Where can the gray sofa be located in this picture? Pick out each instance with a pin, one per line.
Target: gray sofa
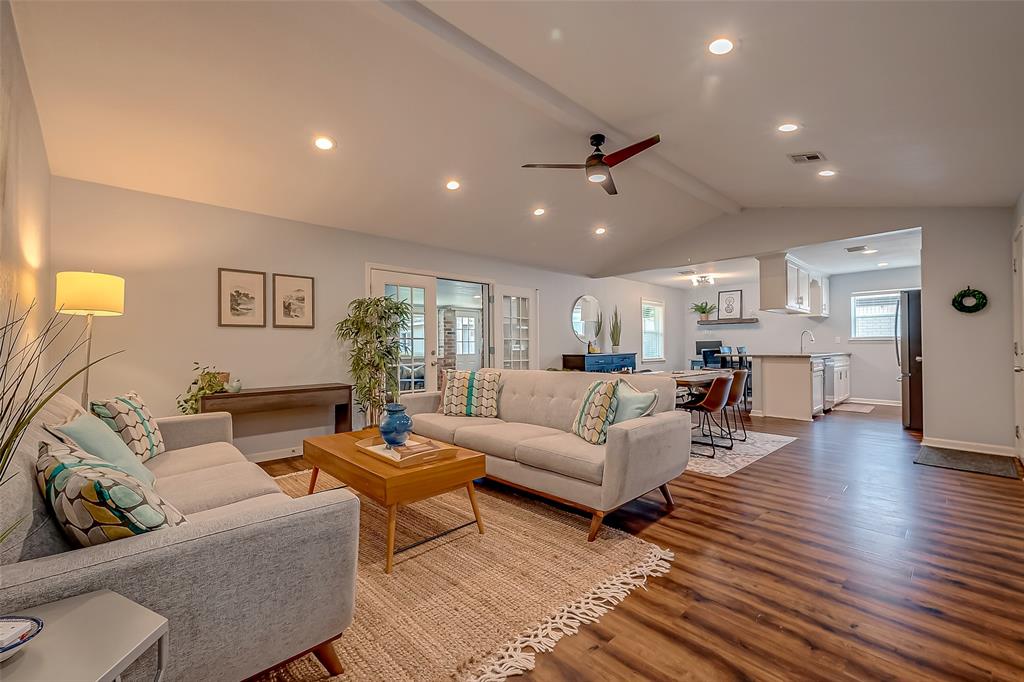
(252, 579)
(530, 445)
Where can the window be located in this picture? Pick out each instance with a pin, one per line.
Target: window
(465, 336)
(652, 314)
(873, 314)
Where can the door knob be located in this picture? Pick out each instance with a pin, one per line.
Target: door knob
(1018, 369)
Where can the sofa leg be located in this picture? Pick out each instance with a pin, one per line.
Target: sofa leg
(667, 494)
(328, 656)
(595, 525)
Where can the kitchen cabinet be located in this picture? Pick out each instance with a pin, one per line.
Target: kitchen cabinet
(785, 284)
(818, 295)
(841, 379)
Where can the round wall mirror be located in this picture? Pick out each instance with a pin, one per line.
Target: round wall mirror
(584, 317)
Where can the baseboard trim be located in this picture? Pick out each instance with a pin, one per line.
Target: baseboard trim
(756, 413)
(269, 455)
(874, 401)
(983, 448)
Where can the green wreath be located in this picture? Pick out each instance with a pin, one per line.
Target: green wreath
(980, 300)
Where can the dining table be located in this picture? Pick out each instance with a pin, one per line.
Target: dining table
(693, 378)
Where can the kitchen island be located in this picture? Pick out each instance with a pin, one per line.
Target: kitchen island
(792, 385)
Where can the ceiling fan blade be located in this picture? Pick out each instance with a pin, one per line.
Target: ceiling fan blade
(609, 185)
(632, 150)
(574, 166)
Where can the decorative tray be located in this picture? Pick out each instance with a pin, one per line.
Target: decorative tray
(417, 450)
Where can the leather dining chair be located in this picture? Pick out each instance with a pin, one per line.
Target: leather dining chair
(736, 396)
(707, 405)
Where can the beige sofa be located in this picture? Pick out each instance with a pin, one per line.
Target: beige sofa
(530, 445)
(253, 578)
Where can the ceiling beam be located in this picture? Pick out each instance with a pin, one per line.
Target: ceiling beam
(557, 104)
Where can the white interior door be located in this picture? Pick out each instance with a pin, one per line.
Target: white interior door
(1018, 337)
(517, 327)
(417, 370)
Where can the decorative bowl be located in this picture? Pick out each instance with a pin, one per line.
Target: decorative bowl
(11, 649)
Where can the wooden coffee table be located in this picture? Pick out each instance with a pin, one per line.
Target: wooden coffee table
(389, 485)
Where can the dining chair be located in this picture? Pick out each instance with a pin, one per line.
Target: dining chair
(706, 406)
(737, 395)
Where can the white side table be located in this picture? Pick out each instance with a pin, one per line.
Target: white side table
(93, 637)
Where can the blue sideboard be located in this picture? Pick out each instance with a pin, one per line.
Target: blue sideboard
(599, 362)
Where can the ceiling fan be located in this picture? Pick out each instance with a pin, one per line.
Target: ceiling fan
(598, 165)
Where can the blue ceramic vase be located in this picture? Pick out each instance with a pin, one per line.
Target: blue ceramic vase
(396, 425)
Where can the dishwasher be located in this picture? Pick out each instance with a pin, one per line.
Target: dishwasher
(829, 369)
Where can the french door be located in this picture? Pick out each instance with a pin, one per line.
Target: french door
(416, 368)
(517, 327)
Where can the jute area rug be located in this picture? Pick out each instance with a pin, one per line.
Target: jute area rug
(470, 606)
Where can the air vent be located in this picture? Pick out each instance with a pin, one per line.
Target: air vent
(687, 273)
(806, 157)
(856, 249)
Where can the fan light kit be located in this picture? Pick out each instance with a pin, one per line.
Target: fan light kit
(703, 280)
(720, 46)
(598, 165)
(323, 143)
(788, 128)
(538, 211)
(453, 185)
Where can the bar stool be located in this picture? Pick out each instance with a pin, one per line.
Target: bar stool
(737, 395)
(707, 405)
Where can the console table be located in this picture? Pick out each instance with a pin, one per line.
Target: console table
(285, 398)
(599, 362)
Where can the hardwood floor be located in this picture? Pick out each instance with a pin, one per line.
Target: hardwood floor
(834, 558)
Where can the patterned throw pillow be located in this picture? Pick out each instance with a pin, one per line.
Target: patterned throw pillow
(471, 393)
(96, 502)
(128, 415)
(597, 412)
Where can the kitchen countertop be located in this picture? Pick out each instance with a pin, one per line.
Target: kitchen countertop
(792, 355)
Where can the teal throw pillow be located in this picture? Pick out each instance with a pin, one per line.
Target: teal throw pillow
(634, 403)
(89, 433)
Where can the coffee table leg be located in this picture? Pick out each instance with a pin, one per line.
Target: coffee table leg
(312, 480)
(392, 519)
(476, 510)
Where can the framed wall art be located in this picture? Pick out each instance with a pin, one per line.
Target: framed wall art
(730, 304)
(294, 301)
(242, 298)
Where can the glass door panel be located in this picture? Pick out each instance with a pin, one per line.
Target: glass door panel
(518, 327)
(416, 368)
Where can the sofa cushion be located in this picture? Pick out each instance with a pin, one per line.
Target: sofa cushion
(565, 454)
(202, 489)
(500, 440)
(249, 506)
(130, 418)
(174, 462)
(443, 427)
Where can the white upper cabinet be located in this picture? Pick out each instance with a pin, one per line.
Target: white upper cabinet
(785, 285)
(818, 295)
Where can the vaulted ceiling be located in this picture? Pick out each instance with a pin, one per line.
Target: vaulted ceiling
(914, 104)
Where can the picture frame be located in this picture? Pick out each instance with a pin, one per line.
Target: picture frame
(241, 298)
(294, 300)
(730, 304)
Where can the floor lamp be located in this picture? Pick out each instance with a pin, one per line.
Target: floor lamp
(91, 294)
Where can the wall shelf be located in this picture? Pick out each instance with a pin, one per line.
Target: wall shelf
(742, 320)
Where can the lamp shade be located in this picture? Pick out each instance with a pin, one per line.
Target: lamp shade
(89, 293)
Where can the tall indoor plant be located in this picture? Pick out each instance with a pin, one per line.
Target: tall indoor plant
(372, 331)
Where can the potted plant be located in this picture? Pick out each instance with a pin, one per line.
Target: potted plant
(704, 309)
(615, 331)
(207, 382)
(372, 331)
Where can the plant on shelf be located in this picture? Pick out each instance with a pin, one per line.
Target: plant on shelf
(207, 382)
(704, 309)
(615, 330)
(373, 332)
(27, 381)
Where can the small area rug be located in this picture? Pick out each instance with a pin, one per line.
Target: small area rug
(727, 462)
(976, 462)
(854, 407)
(470, 606)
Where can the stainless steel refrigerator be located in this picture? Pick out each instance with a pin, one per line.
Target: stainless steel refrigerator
(908, 355)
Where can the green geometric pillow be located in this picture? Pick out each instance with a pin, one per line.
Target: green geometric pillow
(97, 502)
(130, 418)
(597, 412)
(470, 393)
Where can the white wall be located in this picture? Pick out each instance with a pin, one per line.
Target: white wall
(24, 183)
(873, 369)
(169, 250)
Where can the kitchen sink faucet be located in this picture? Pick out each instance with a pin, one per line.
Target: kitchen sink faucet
(809, 333)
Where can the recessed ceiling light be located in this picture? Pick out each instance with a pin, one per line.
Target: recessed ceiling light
(556, 35)
(826, 173)
(323, 142)
(600, 231)
(870, 251)
(538, 211)
(882, 265)
(720, 46)
(453, 185)
(788, 128)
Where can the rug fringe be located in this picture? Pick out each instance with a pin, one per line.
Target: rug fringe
(513, 659)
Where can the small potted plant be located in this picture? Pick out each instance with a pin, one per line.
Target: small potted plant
(208, 381)
(704, 309)
(615, 330)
